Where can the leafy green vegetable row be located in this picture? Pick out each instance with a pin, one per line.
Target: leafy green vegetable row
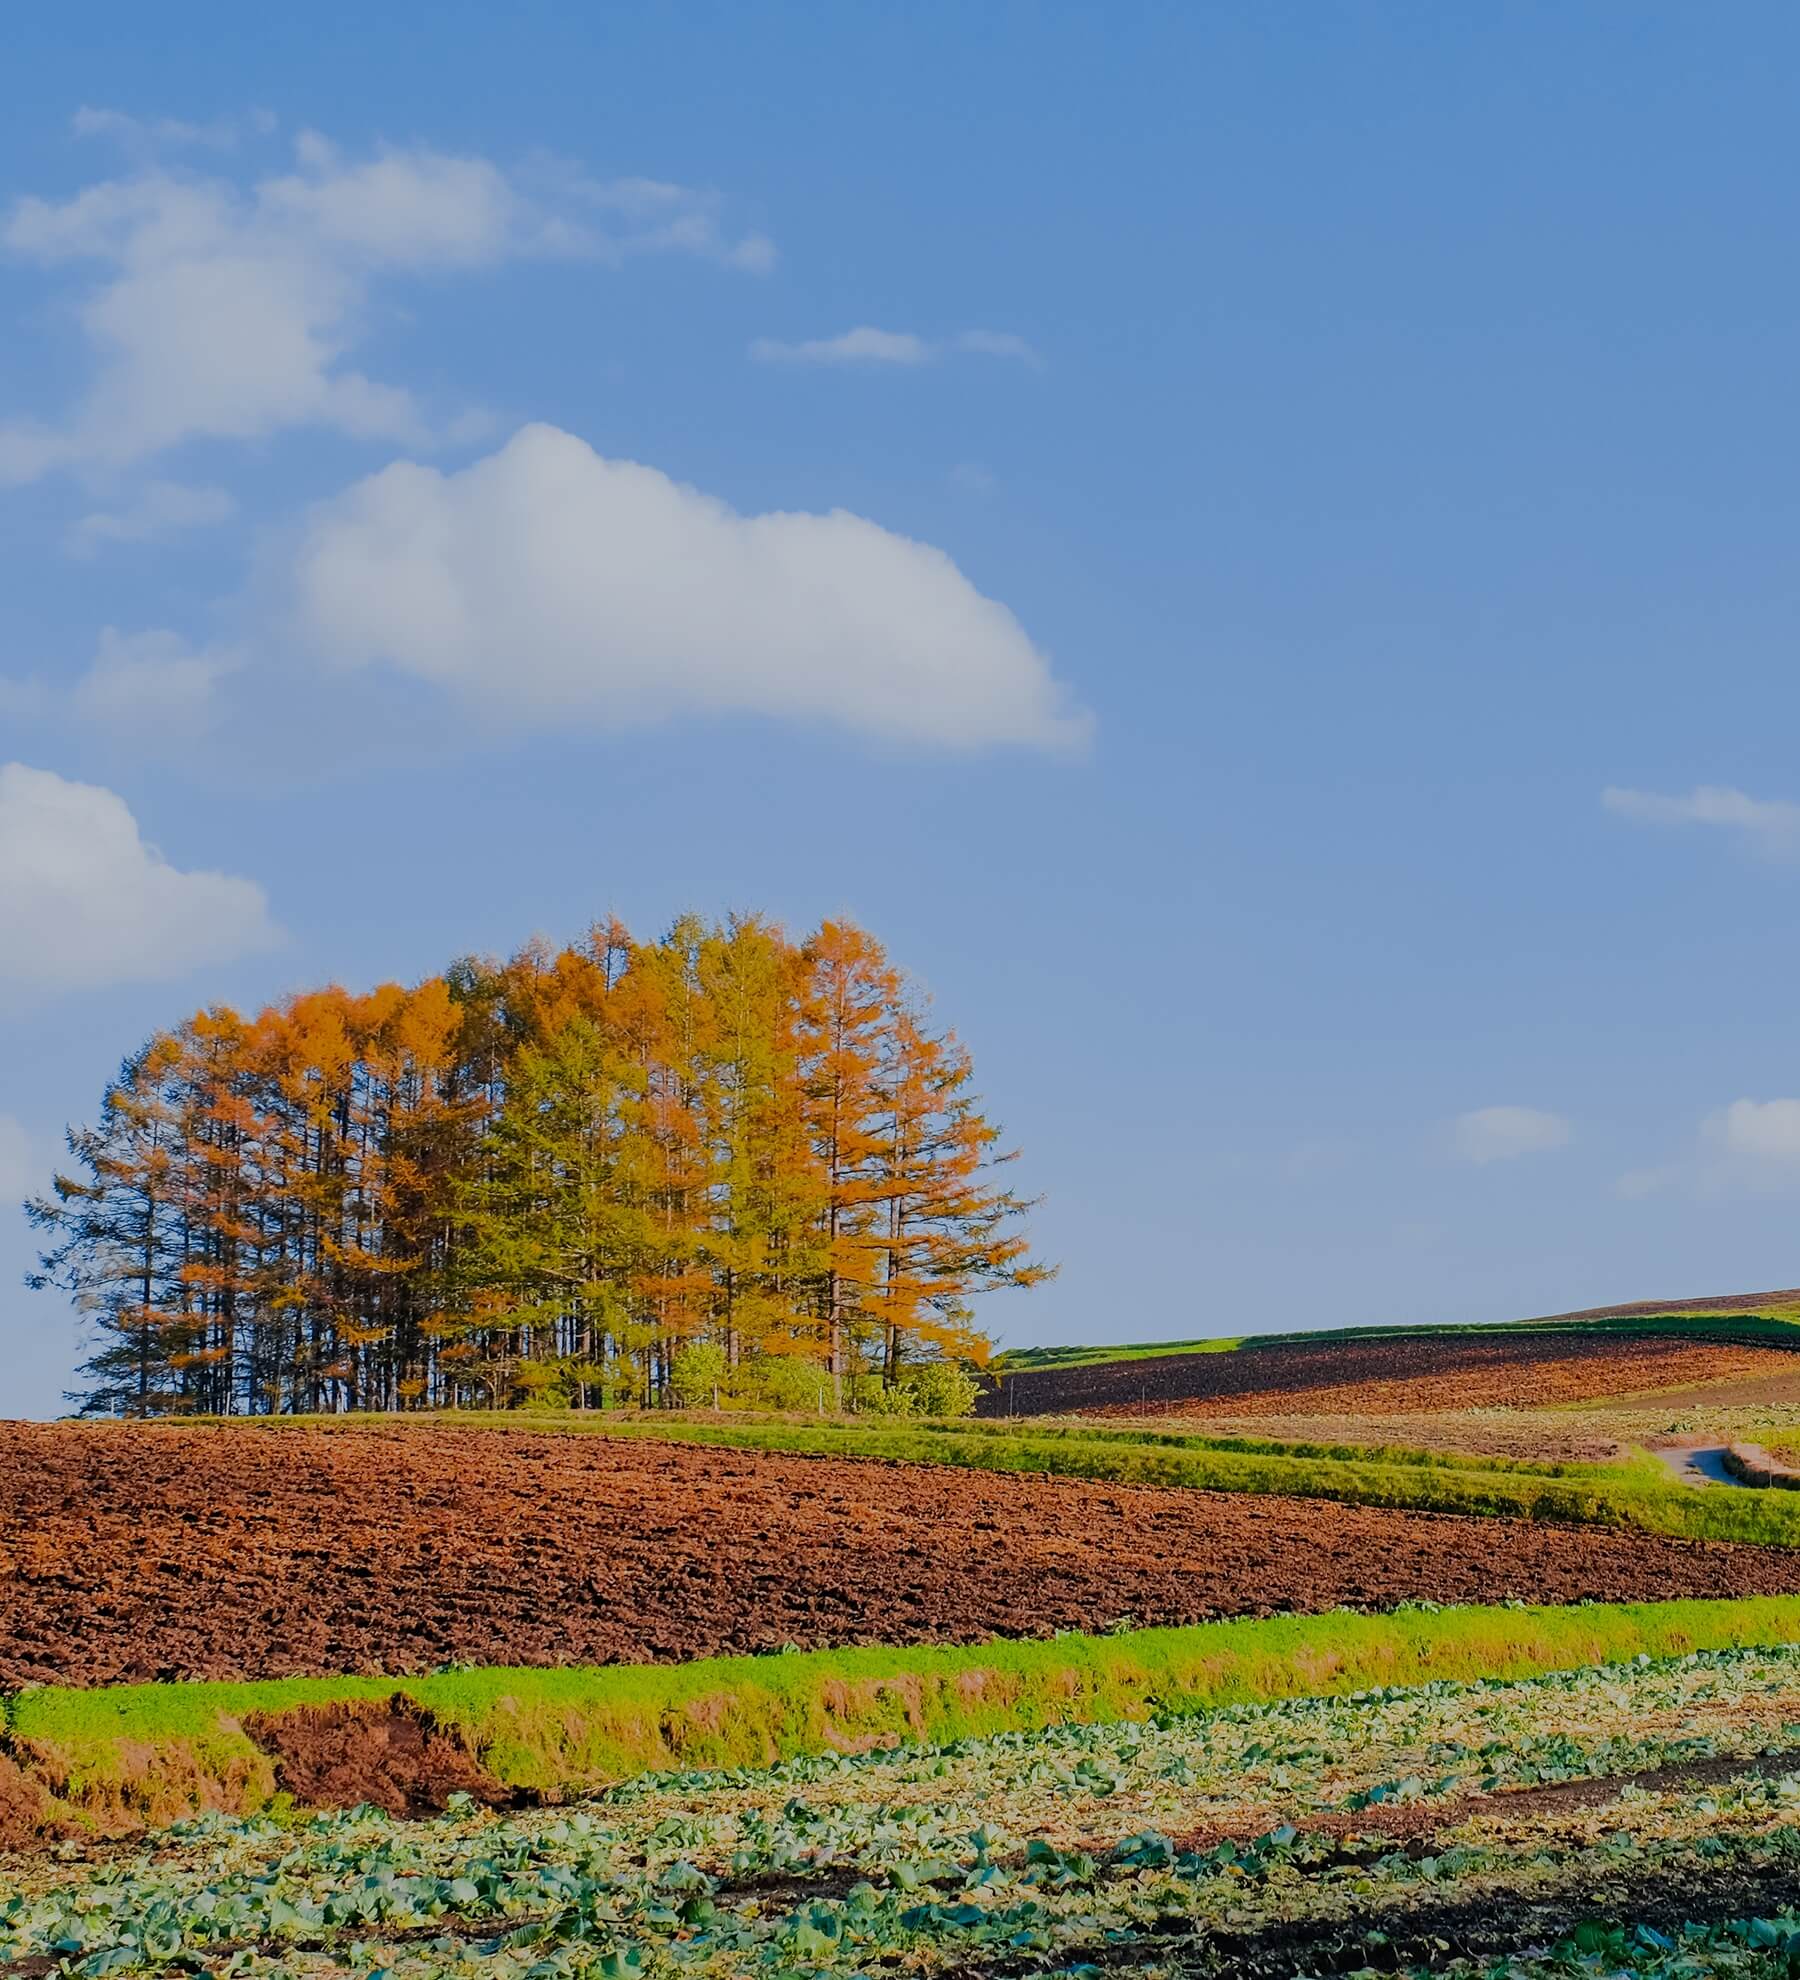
(1035, 1851)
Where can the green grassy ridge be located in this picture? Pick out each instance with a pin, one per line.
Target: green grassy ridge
(124, 1756)
(1779, 1326)
(852, 1436)
(1086, 1431)
(1011, 1361)
(1636, 1495)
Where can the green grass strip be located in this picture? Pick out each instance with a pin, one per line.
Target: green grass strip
(981, 1443)
(154, 1752)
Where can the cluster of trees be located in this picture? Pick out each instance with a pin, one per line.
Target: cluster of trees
(722, 1166)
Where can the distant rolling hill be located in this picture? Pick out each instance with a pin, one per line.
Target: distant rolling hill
(1586, 1357)
(1781, 1308)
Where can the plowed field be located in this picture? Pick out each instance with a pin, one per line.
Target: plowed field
(1394, 1376)
(131, 1552)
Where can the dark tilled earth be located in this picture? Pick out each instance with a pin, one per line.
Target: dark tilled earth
(1400, 1373)
(161, 1552)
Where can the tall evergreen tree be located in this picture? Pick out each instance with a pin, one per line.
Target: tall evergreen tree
(116, 1239)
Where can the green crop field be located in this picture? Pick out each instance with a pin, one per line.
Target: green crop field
(1640, 1815)
(1515, 1790)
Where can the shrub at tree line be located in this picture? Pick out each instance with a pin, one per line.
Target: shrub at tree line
(722, 1168)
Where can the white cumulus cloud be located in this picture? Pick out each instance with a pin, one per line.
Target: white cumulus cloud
(1761, 1130)
(1498, 1134)
(85, 901)
(1772, 825)
(228, 307)
(546, 584)
(867, 345)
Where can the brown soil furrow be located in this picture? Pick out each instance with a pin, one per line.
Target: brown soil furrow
(130, 1553)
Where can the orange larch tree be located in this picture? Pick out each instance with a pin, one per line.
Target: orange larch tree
(614, 1171)
(846, 995)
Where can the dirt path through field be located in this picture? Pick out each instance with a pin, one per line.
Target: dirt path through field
(137, 1552)
(1699, 1464)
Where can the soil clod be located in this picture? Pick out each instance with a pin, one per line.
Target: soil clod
(385, 1751)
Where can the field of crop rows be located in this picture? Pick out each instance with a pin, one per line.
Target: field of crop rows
(1646, 1814)
(1393, 1375)
(131, 1552)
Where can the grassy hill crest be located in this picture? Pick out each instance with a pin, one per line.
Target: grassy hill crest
(1736, 1316)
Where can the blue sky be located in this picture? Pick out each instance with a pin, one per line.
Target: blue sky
(1178, 518)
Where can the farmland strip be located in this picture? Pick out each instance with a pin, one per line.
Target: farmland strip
(130, 1553)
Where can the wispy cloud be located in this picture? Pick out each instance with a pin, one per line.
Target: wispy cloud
(999, 344)
(863, 345)
(150, 686)
(229, 306)
(145, 682)
(1501, 1134)
(648, 216)
(161, 509)
(1771, 825)
(1747, 1147)
(148, 133)
(1761, 1130)
(866, 345)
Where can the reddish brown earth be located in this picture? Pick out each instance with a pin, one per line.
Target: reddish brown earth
(22, 1805)
(1397, 1375)
(136, 1552)
(387, 1751)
